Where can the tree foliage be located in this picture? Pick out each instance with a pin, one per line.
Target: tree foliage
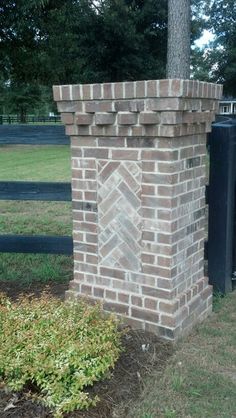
(71, 41)
(218, 62)
(223, 21)
(45, 42)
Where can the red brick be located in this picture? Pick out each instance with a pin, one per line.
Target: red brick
(67, 118)
(170, 308)
(150, 304)
(65, 93)
(77, 92)
(125, 155)
(149, 118)
(104, 118)
(129, 90)
(110, 294)
(97, 91)
(98, 292)
(86, 290)
(83, 118)
(156, 293)
(107, 91)
(116, 307)
(110, 272)
(119, 90)
(176, 87)
(91, 259)
(57, 93)
(140, 89)
(145, 315)
(168, 321)
(137, 301)
(127, 118)
(152, 88)
(164, 88)
(86, 91)
(123, 297)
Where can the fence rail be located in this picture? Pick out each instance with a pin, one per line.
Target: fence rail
(29, 190)
(33, 135)
(40, 244)
(12, 119)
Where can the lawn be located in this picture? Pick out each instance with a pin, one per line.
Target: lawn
(200, 379)
(42, 163)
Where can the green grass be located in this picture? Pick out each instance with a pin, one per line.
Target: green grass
(42, 163)
(200, 379)
(32, 163)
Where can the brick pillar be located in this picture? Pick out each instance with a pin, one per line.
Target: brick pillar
(138, 184)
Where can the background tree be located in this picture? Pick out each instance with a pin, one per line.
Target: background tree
(46, 42)
(217, 61)
(178, 58)
(222, 21)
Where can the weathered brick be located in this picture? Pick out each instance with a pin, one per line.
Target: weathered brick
(83, 119)
(129, 90)
(150, 304)
(152, 88)
(145, 315)
(107, 91)
(123, 297)
(110, 294)
(119, 90)
(86, 290)
(137, 301)
(171, 118)
(164, 88)
(57, 93)
(170, 308)
(116, 307)
(66, 93)
(86, 92)
(140, 89)
(126, 118)
(104, 118)
(97, 91)
(149, 118)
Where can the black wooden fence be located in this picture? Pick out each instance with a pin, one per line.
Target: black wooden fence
(221, 248)
(41, 191)
(9, 119)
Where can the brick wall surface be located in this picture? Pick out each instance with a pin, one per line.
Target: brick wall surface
(138, 187)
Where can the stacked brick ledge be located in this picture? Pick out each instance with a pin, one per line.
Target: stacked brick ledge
(138, 189)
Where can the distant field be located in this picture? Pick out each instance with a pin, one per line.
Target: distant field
(42, 163)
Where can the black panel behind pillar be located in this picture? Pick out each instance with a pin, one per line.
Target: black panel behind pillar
(221, 206)
(234, 237)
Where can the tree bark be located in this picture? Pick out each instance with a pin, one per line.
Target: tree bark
(178, 55)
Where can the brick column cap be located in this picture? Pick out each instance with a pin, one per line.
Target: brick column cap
(169, 88)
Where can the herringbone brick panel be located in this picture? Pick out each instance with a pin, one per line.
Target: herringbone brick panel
(119, 205)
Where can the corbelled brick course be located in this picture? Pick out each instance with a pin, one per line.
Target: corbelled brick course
(138, 188)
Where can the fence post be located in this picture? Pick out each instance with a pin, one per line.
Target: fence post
(221, 206)
(138, 190)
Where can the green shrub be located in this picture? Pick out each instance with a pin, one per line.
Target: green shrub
(62, 348)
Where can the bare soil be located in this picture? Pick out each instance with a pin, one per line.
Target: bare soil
(142, 353)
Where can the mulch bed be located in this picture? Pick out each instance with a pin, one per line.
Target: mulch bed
(142, 353)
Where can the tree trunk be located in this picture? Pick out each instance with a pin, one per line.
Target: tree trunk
(178, 55)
